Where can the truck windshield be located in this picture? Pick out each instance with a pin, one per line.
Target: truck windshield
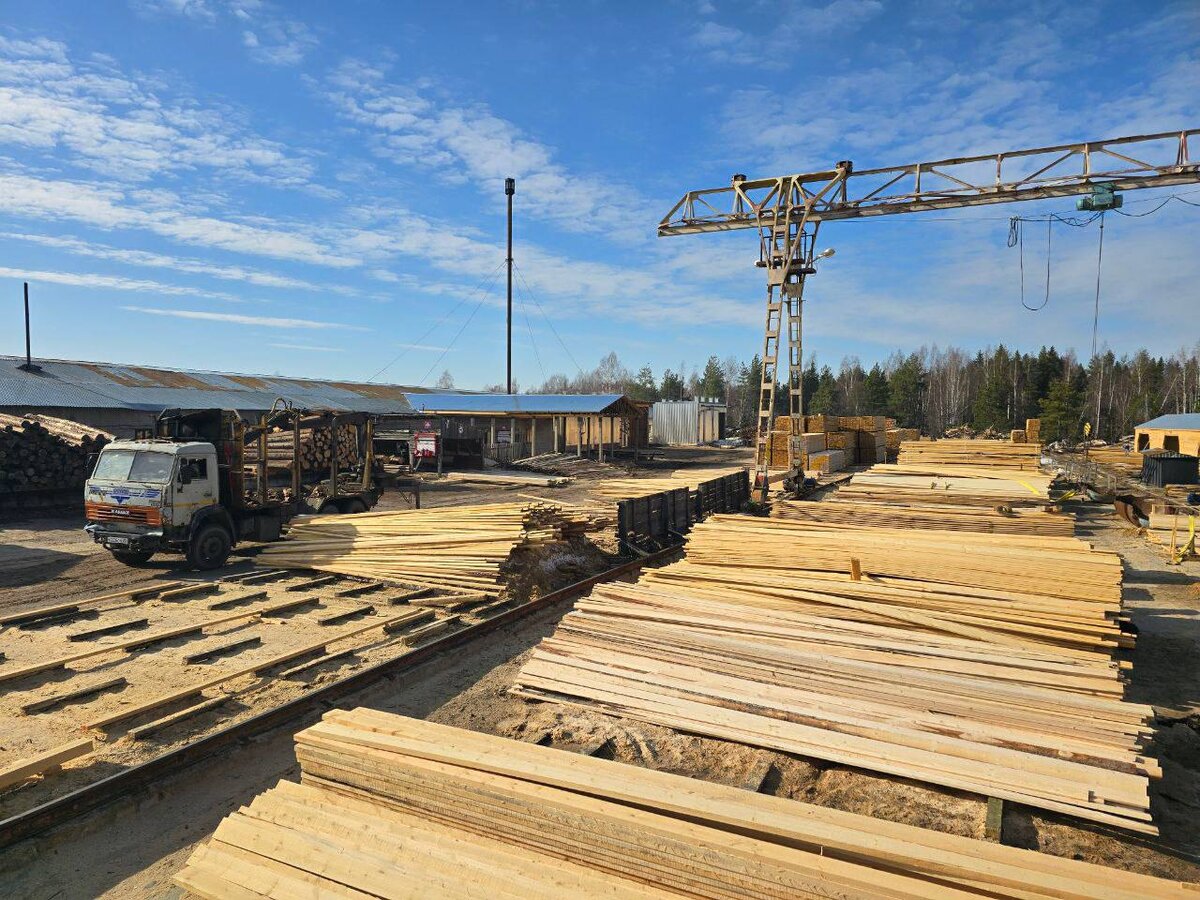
(134, 465)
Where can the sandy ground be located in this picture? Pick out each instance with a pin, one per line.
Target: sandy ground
(131, 849)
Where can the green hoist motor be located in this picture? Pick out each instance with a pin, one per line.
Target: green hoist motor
(1102, 198)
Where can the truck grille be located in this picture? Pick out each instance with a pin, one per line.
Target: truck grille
(134, 515)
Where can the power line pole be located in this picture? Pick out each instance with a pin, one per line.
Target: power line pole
(510, 188)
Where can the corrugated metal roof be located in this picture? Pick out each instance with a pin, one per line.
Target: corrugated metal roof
(520, 404)
(1177, 421)
(65, 383)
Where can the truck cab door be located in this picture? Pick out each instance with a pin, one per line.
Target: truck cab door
(195, 485)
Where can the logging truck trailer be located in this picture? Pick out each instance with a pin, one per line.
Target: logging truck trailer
(187, 486)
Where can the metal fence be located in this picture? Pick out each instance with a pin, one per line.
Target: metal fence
(664, 518)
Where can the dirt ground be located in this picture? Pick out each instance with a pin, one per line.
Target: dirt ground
(132, 849)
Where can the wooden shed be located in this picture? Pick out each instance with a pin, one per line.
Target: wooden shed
(1179, 432)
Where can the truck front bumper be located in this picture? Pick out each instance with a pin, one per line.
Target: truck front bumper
(112, 539)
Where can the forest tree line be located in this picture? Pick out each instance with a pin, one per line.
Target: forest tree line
(935, 389)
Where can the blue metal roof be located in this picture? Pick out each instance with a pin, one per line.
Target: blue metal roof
(520, 404)
(63, 383)
(1176, 421)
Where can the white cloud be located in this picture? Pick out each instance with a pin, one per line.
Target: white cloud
(279, 42)
(307, 348)
(261, 321)
(200, 10)
(795, 26)
(112, 282)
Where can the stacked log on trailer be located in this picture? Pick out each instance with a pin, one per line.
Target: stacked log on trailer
(316, 449)
(43, 452)
(976, 661)
(389, 806)
(462, 547)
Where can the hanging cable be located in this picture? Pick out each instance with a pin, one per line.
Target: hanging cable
(457, 335)
(467, 296)
(532, 342)
(1096, 313)
(566, 349)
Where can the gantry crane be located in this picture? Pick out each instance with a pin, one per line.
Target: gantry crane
(788, 210)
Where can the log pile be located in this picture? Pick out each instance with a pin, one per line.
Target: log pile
(979, 662)
(623, 488)
(568, 464)
(460, 547)
(389, 806)
(316, 449)
(841, 512)
(43, 452)
(971, 453)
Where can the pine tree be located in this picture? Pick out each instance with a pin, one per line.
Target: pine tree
(875, 392)
(644, 387)
(671, 387)
(1062, 411)
(906, 389)
(991, 404)
(712, 382)
(824, 398)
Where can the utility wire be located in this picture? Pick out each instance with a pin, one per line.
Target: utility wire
(442, 321)
(554, 330)
(458, 333)
(532, 340)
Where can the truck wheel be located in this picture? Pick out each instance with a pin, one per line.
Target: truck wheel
(354, 507)
(209, 548)
(328, 508)
(132, 557)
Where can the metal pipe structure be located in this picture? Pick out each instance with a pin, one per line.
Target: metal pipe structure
(788, 210)
(510, 188)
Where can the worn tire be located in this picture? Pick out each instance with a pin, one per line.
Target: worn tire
(132, 557)
(328, 508)
(209, 547)
(353, 507)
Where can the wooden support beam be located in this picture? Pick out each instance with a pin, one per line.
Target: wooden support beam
(191, 590)
(44, 762)
(993, 828)
(108, 629)
(44, 611)
(238, 600)
(312, 583)
(69, 696)
(345, 615)
(141, 732)
(222, 650)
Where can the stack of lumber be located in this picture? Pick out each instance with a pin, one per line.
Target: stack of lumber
(831, 443)
(38, 452)
(1033, 431)
(894, 437)
(842, 512)
(1175, 531)
(390, 806)
(581, 517)
(624, 488)
(1017, 435)
(517, 479)
(984, 454)
(971, 485)
(567, 464)
(316, 448)
(462, 547)
(979, 662)
(1126, 461)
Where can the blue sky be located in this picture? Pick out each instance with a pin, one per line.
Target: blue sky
(316, 189)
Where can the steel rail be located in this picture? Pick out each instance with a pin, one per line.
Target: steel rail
(124, 784)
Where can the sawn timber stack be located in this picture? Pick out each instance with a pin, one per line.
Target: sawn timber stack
(980, 662)
(390, 806)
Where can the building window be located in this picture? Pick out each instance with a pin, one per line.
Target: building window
(1171, 442)
(1143, 442)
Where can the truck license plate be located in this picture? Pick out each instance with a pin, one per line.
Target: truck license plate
(118, 542)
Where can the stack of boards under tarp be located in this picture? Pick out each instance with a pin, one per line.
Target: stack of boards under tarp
(843, 512)
(979, 662)
(972, 453)
(396, 807)
(460, 547)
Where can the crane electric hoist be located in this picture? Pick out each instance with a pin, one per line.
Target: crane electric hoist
(787, 212)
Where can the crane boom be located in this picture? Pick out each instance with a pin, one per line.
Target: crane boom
(1127, 163)
(788, 210)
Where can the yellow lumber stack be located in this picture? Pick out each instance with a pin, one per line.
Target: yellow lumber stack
(623, 488)
(896, 436)
(971, 453)
(842, 512)
(971, 485)
(979, 662)
(455, 547)
(1116, 457)
(390, 806)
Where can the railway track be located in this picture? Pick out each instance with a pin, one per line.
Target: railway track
(138, 778)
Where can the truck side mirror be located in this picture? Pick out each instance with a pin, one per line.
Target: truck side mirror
(91, 463)
(186, 473)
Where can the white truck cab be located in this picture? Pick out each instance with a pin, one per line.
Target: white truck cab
(144, 495)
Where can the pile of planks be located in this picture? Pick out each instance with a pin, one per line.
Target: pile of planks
(971, 453)
(38, 452)
(515, 479)
(463, 547)
(1033, 431)
(1176, 532)
(842, 512)
(829, 444)
(623, 488)
(971, 485)
(389, 806)
(979, 662)
(1126, 461)
(568, 464)
(316, 448)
